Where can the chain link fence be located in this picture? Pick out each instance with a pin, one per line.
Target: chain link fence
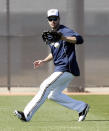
(21, 25)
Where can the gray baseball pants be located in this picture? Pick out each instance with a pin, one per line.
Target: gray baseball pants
(52, 88)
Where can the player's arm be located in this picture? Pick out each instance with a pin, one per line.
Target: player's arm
(38, 63)
(73, 39)
(48, 58)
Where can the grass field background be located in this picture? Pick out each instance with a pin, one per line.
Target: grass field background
(53, 117)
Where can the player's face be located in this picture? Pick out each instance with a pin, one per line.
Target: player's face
(54, 22)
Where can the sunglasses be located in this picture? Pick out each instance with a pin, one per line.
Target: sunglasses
(52, 18)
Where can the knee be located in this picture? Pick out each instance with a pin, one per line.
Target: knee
(50, 96)
(53, 96)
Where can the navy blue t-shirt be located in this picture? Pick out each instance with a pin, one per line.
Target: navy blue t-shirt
(64, 55)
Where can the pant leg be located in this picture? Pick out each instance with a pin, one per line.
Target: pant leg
(45, 88)
(57, 95)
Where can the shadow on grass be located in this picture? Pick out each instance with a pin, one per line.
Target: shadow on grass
(97, 120)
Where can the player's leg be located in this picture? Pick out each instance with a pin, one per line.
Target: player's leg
(57, 95)
(42, 95)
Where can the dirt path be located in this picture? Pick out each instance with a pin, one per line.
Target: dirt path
(33, 91)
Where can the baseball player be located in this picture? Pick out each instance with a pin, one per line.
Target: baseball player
(61, 41)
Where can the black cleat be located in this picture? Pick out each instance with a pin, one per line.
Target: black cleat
(82, 115)
(20, 115)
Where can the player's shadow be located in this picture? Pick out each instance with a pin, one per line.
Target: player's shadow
(97, 120)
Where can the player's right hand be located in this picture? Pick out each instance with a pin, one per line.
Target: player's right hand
(37, 63)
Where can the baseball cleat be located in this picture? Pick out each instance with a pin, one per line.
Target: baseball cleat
(82, 115)
(20, 115)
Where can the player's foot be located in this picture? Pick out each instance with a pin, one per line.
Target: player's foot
(82, 115)
(20, 115)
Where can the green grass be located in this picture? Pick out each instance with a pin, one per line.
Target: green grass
(53, 117)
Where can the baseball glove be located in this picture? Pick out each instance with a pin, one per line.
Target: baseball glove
(51, 36)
